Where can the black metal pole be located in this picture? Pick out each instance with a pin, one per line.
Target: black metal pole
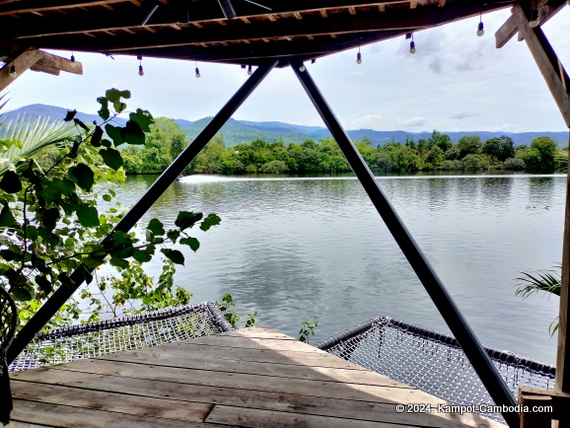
(63, 293)
(485, 369)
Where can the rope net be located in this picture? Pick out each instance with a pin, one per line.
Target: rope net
(432, 362)
(121, 334)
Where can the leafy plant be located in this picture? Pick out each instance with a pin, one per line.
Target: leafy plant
(545, 280)
(50, 224)
(228, 310)
(307, 330)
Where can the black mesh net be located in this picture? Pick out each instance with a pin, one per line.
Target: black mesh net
(121, 334)
(432, 362)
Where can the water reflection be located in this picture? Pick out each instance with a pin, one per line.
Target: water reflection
(315, 249)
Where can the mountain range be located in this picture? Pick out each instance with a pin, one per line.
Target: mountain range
(244, 131)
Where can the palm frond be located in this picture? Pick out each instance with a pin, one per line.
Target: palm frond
(24, 137)
(546, 280)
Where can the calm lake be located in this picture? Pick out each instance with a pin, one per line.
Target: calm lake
(315, 249)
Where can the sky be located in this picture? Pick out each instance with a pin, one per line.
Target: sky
(455, 81)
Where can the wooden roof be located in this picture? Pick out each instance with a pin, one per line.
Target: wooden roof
(206, 30)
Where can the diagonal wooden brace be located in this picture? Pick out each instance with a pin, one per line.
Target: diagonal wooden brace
(550, 66)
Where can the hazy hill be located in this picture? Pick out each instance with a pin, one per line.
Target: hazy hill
(239, 131)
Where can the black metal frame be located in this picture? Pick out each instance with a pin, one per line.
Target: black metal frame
(433, 285)
(483, 366)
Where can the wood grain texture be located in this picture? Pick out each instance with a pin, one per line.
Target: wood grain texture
(252, 378)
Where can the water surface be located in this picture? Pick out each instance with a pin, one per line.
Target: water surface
(315, 249)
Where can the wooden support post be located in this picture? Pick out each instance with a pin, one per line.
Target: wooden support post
(22, 63)
(542, 407)
(563, 353)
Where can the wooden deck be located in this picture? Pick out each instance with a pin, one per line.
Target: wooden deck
(255, 377)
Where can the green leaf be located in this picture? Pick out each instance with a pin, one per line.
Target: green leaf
(132, 133)
(104, 111)
(174, 255)
(50, 217)
(114, 132)
(8, 255)
(187, 219)
(112, 158)
(96, 137)
(117, 261)
(193, 243)
(107, 197)
(83, 176)
(88, 216)
(44, 283)
(156, 227)
(143, 118)
(10, 182)
(70, 115)
(142, 256)
(81, 124)
(211, 220)
(6, 217)
(173, 235)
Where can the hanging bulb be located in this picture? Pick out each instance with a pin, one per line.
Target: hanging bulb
(358, 58)
(73, 64)
(314, 60)
(141, 72)
(302, 68)
(480, 30)
(249, 70)
(533, 23)
(13, 73)
(412, 47)
(197, 73)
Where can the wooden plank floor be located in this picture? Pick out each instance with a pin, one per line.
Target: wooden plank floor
(253, 377)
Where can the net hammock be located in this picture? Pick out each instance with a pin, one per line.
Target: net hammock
(432, 362)
(121, 334)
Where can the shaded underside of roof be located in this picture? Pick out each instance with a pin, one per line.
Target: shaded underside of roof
(205, 30)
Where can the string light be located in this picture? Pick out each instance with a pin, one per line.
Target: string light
(358, 57)
(314, 59)
(141, 71)
(13, 73)
(480, 30)
(412, 45)
(73, 64)
(302, 68)
(197, 71)
(249, 70)
(533, 23)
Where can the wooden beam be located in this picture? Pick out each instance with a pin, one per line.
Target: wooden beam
(360, 24)
(22, 63)
(550, 66)
(547, 9)
(44, 69)
(56, 62)
(557, 402)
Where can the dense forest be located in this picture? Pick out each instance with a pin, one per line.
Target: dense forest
(437, 153)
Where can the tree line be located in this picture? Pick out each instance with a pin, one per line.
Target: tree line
(437, 153)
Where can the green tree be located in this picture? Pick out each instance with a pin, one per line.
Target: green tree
(469, 145)
(546, 149)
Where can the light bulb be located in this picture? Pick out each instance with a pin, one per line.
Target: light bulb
(13, 73)
(249, 70)
(141, 72)
(412, 47)
(480, 30)
(302, 68)
(358, 58)
(533, 23)
(197, 73)
(73, 63)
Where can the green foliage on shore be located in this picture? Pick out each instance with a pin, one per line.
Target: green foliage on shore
(437, 153)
